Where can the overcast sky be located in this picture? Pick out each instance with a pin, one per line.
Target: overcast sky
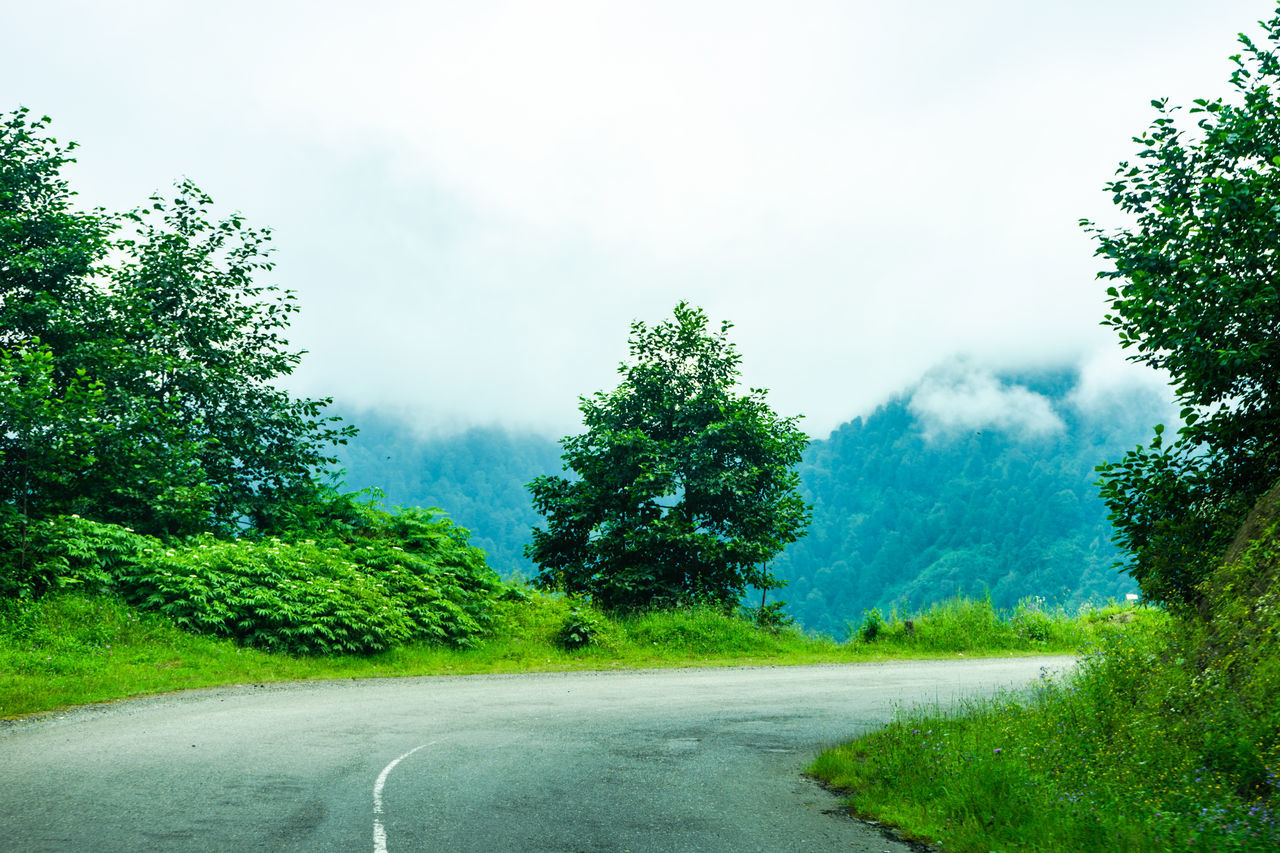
(475, 199)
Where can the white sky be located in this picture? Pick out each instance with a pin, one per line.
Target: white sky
(473, 200)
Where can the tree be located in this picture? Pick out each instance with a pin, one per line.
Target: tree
(1195, 294)
(209, 341)
(140, 358)
(684, 488)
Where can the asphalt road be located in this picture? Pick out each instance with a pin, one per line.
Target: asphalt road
(667, 760)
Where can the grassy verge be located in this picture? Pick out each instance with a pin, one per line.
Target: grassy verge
(75, 649)
(1130, 752)
(1166, 737)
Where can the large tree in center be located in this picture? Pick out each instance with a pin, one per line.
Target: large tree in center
(684, 486)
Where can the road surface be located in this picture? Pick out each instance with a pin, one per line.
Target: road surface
(663, 760)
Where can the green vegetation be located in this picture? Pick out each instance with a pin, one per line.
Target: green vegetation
(683, 486)
(1167, 737)
(1195, 294)
(478, 475)
(907, 512)
(147, 451)
(75, 647)
(139, 361)
(391, 579)
(901, 514)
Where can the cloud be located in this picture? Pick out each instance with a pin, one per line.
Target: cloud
(970, 399)
(473, 201)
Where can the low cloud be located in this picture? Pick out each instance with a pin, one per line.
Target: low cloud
(972, 399)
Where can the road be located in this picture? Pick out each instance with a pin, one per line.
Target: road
(663, 760)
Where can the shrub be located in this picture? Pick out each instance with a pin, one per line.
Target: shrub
(41, 555)
(306, 598)
(872, 625)
(1030, 622)
(581, 627)
(770, 616)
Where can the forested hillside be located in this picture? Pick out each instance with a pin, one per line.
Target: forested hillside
(965, 485)
(912, 506)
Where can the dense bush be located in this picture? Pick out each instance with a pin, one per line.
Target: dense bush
(410, 576)
(581, 627)
(377, 580)
(38, 556)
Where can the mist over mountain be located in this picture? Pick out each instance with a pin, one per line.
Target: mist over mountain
(971, 482)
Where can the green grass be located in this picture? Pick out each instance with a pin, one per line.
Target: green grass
(1134, 751)
(74, 649)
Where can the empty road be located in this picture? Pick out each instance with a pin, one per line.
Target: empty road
(663, 760)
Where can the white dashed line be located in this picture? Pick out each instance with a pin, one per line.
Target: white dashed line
(380, 831)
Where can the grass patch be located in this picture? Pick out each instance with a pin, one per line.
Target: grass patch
(1130, 752)
(74, 648)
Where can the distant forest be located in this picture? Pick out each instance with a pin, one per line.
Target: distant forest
(905, 513)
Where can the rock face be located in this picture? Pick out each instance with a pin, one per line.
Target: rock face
(1262, 518)
(1240, 604)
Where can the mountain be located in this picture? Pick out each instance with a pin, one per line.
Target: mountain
(928, 498)
(971, 483)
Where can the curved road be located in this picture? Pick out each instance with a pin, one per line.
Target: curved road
(664, 760)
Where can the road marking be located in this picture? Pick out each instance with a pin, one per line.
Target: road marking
(380, 831)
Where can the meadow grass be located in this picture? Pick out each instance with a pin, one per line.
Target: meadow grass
(73, 649)
(1125, 753)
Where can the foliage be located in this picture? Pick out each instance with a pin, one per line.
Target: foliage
(872, 623)
(388, 579)
(900, 517)
(211, 338)
(72, 647)
(406, 577)
(684, 488)
(138, 360)
(905, 515)
(1126, 753)
(581, 627)
(62, 552)
(1195, 294)
(771, 616)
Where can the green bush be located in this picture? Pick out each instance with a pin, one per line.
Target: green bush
(374, 581)
(1031, 622)
(308, 598)
(872, 625)
(41, 555)
(581, 627)
(771, 616)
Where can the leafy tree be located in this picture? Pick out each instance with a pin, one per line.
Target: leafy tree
(210, 341)
(1195, 294)
(48, 250)
(684, 488)
(139, 357)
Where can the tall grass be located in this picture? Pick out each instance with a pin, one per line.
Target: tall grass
(1126, 753)
(71, 649)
